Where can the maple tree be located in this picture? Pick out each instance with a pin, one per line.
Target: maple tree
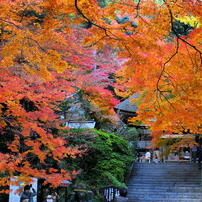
(42, 61)
(42, 57)
(162, 43)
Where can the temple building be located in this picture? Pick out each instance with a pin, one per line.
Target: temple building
(128, 109)
(183, 152)
(75, 115)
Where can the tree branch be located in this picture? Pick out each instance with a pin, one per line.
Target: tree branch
(11, 23)
(137, 8)
(164, 65)
(177, 35)
(90, 21)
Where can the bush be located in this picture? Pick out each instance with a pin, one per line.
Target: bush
(106, 161)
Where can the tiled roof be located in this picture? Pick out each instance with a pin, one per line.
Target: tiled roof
(128, 104)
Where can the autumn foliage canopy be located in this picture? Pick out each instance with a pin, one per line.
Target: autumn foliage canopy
(49, 48)
(162, 43)
(43, 61)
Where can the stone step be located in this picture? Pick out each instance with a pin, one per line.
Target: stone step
(169, 184)
(166, 163)
(163, 197)
(166, 195)
(163, 170)
(149, 169)
(180, 173)
(164, 200)
(174, 185)
(195, 170)
(167, 167)
(170, 200)
(165, 182)
(169, 177)
(146, 173)
(156, 188)
(173, 180)
(168, 190)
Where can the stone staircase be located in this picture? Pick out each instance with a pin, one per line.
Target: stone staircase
(165, 182)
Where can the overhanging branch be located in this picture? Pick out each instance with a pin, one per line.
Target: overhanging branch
(177, 35)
